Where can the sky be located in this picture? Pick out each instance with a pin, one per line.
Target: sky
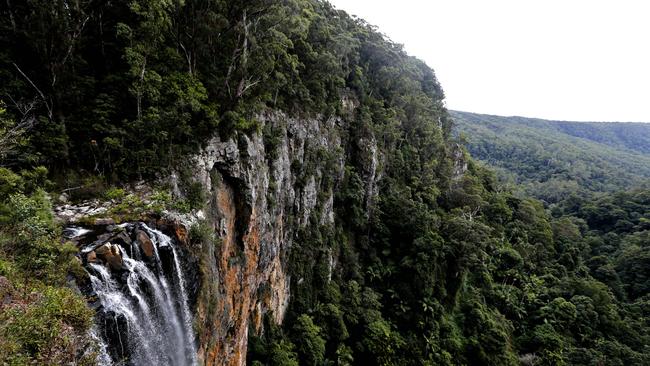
(580, 60)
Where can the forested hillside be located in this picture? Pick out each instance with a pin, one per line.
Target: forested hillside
(553, 160)
(312, 160)
(621, 135)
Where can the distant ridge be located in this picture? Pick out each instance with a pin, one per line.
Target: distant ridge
(553, 159)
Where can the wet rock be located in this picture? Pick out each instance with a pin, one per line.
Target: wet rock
(116, 333)
(121, 238)
(91, 257)
(112, 255)
(103, 238)
(124, 277)
(146, 245)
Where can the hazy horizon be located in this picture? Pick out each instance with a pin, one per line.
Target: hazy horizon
(543, 119)
(557, 60)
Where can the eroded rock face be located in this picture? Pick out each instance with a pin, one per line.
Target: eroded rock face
(460, 162)
(181, 233)
(259, 195)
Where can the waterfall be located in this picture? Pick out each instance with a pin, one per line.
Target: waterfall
(71, 232)
(102, 357)
(144, 312)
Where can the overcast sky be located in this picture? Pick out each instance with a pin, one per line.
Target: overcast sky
(584, 60)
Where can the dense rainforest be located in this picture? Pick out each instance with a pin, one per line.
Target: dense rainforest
(553, 160)
(441, 264)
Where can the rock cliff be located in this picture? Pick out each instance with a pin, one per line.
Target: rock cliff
(262, 187)
(259, 190)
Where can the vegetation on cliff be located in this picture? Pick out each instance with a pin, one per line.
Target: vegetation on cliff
(426, 263)
(42, 321)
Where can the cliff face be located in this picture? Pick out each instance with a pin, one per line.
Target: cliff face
(262, 188)
(262, 192)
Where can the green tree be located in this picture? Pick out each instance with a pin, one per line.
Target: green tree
(310, 346)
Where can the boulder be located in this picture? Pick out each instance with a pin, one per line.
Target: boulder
(104, 221)
(146, 245)
(91, 257)
(112, 255)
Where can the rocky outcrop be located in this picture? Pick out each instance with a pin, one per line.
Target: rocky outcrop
(460, 160)
(70, 213)
(111, 254)
(261, 191)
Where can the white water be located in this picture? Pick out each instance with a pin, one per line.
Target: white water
(164, 240)
(72, 232)
(102, 358)
(154, 305)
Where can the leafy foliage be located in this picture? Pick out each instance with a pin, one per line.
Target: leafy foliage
(41, 320)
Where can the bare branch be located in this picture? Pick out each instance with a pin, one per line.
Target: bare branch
(45, 101)
(75, 35)
(11, 16)
(12, 134)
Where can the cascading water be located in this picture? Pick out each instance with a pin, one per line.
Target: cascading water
(144, 316)
(102, 357)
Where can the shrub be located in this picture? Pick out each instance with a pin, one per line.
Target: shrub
(45, 328)
(114, 193)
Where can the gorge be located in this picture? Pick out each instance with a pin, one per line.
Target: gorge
(229, 182)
